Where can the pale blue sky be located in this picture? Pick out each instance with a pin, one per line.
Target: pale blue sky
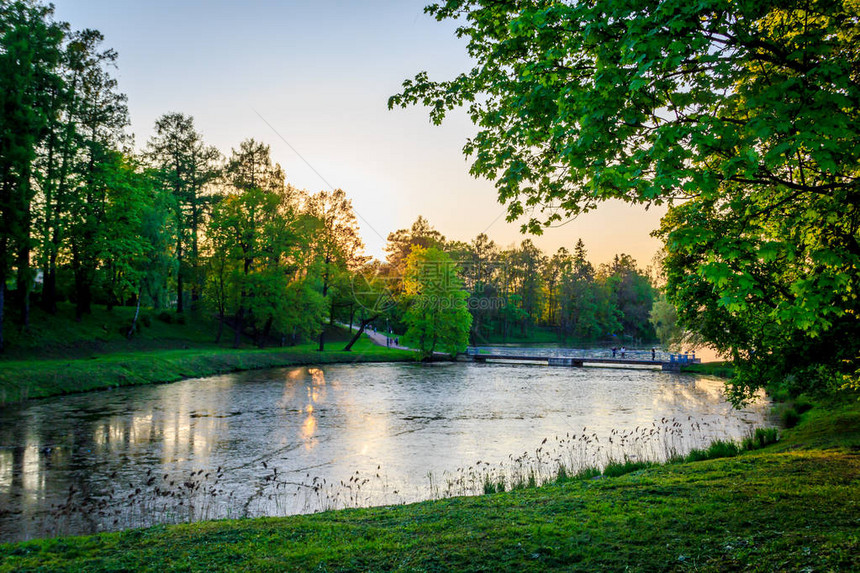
(320, 72)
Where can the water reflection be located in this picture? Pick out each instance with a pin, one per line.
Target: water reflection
(253, 434)
(316, 394)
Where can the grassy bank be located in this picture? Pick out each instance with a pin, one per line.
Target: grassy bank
(717, 369)
(790, 506)
(59, 355)
(27, 379)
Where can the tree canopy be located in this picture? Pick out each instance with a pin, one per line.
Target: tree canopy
(437, 316)
(742, 115)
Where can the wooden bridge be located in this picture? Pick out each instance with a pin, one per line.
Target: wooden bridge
(571, 357)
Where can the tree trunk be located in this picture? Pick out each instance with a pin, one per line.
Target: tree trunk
(358, 334)
(48, 188)
(220, 326)
(240, 319)
(324, 293)
(267, 328)
(111, 300)
(179, 293)
(24, 279)
(2, 304)
(83, 294)
(195, 270)
(49, 285)
(24, 285)
(136, 314)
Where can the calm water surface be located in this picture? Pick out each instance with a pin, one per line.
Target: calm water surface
(302, 439)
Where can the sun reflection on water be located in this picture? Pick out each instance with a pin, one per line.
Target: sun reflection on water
(400, 422)
(316, 394)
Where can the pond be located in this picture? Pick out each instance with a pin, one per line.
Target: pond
(297, 440)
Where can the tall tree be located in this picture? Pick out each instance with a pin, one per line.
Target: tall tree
(401, 242)
(665, 320)
(54, 174)
(185, 165)
(556, 268)
(29, 53)
(336, 244)
(523, 276)
(261, 251)
(482, 275)
(632, 295)
(437, 317)
(102, 116)
(588, 311)
(121, 242)
(748, 111)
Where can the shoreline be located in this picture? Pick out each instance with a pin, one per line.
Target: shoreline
(36, 379)
(59, 377)
(674, 516)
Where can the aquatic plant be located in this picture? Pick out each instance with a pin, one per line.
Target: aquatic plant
(201, 494)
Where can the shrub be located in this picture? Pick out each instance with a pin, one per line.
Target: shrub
(588, 473)
(760, 438)
(802, 404)
(722, 449)
(489, 486)
(165, 317)
(789, 417)
(615, 469)
(695, 455)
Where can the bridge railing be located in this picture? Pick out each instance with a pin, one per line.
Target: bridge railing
(585, 353)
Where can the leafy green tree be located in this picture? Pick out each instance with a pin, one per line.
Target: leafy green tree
(102, 116)
(632, 295)
(336, 246)
(523, 278)
(121, 242)
(588, 311)
(158, 228)
(246, 234)
(482, 275)
(437, 317)
(512, 312)
(84, 102)
(665, 320)
(399, 246)
(29, 52)
(554, 270)
(251, 167)
(263, 270)
(401, 242)
(371, 297)
(748, 111)
(185, 166)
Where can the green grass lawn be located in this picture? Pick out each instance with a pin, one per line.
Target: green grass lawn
(61, 336)
(26, 379)
(58, 355)
(793, 506)
(718, 369)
